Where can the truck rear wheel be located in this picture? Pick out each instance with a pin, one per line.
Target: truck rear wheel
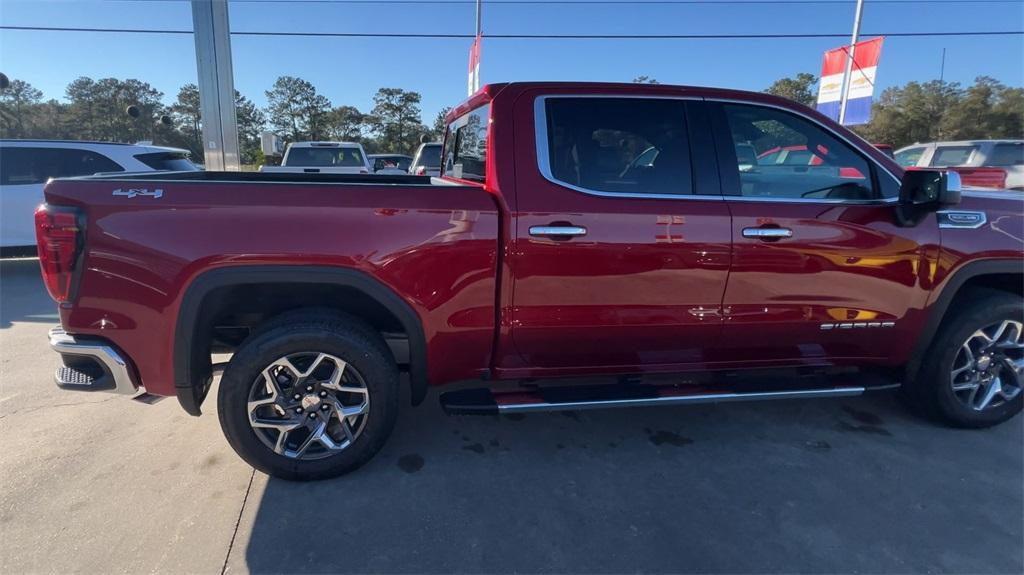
(310, 396)
(974, 372)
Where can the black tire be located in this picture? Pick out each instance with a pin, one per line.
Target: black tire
(339, 335)
(932, 393)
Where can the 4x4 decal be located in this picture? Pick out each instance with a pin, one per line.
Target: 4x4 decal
(132, 192)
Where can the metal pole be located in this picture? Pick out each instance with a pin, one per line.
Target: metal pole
(847, 75)
(216, 84)
(942, 68)
(478, 14)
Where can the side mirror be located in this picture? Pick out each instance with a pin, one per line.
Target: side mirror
(930, 188)
(924, 191)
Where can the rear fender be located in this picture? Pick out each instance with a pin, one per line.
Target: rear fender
(193, 372)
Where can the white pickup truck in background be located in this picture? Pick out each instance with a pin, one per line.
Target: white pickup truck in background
(322, 158)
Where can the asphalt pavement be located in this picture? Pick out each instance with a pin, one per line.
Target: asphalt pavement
(98, 483)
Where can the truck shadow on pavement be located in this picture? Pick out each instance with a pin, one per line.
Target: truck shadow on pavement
(822, 486)
(23, 297)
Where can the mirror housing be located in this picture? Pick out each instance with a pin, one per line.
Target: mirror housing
(934, 188)
(924, 191)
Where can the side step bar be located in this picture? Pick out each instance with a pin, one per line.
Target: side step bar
(484, 401)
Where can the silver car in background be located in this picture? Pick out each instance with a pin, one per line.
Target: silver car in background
(981, 163)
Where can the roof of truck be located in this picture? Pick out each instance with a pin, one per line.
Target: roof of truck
(326, 145)
(489, 91)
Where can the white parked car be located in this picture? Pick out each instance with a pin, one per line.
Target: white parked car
(427, 161)
(26, 165)
(322, 158)
(981, 163)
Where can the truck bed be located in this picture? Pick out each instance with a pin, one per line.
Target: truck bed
(433, 244)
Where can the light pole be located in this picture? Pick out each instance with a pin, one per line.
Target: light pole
(216, 84)
(847, 75)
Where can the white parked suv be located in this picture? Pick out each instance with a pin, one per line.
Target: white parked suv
(26, 165)
(427, 161)
(322, 158)
(982, 163)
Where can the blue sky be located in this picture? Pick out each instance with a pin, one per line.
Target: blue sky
(349, 71)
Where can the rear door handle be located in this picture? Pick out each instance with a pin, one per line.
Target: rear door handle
(767, 233)
(562, 232)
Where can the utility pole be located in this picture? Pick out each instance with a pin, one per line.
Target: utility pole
(478, 14)
(942, 67)
(473, 83)
(848, 74)
(216, 84)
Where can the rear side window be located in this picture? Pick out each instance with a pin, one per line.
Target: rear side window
(21, 166)
(465, 155)
(325, 157)
(167, 161)
(909, 157)
(1007, 155)
(952, 155)
(616, 145)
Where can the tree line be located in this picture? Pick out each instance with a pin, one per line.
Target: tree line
(295, 111)
(98, 110)
(928, 111)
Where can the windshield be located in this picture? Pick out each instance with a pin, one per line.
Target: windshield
(325, 157)
(169, 161)
(391, 162)
(429, 156)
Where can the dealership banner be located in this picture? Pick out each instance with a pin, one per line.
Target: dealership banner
(474, 67)
(862, 81)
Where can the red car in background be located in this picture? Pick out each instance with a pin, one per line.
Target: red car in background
(801, 156)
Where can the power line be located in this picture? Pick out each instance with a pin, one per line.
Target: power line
(523, 36)
(597, 2)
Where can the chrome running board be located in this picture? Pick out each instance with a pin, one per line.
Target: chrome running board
(486, 401)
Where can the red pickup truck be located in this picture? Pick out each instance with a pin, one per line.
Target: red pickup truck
(587, 245)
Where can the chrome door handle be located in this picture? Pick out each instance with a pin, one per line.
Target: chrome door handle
(558, 232)
(767, 233)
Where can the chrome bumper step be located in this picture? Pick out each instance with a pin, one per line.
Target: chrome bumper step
(90, 365)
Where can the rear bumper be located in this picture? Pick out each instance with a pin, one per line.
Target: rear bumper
(91, 364)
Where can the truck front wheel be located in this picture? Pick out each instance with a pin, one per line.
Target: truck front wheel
(974, 371)
(309, 396)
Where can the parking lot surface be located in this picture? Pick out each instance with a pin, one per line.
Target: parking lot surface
(101, 483)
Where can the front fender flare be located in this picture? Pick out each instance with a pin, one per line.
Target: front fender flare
(940, 304)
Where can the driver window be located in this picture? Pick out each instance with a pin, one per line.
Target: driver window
(780, 155)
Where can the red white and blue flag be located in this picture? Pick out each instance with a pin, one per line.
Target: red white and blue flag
(862, 81)
(473, 81)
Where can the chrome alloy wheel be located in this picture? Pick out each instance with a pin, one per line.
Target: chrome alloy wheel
(308, 405)
(989, 368)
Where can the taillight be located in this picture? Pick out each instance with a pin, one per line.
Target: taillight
(59, 238)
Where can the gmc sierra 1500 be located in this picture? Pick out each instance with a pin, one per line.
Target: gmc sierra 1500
(627, 233)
